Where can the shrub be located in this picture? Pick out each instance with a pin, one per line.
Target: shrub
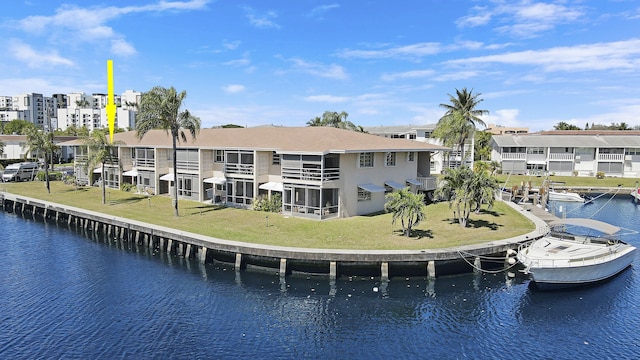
(53, 176)
(600, 175)
(127, 187)
(264, 203)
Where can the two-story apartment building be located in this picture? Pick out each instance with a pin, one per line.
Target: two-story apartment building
(320, 172)
(440, 160)
(15, 147)
(569, 152)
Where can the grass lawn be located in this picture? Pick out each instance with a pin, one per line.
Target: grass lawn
(374, 232)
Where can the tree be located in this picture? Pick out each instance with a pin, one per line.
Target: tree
(466, 190)
(482, 146)
(82, 103)
(336, 120)
(1, 148)
(460, 120)
(40, 143)
(100, 152)
(18, 127)
(160, 108)
(566, 126)
(406, 206)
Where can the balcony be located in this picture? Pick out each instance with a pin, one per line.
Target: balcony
(561, 156)
(242, 169)
(514, 156)
(150, 163)
(610, 157)
(310, 174)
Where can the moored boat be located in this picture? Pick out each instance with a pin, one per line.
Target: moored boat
(562, 258)
(565, 196)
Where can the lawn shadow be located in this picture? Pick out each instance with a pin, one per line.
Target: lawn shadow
(203, 209)
(72, 189)
(489, 212)
(128, 200)
(478, 223)
(415, 234)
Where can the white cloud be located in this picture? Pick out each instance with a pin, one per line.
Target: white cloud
(331, 71)
(36, 59)
(319, 11)
(618, 55)
(414, 74)
(74, 24)
(122, 48)
(503, 117)
(407, 51)
(233, 88)
(524, 18)
(264, 21)
(327, 99)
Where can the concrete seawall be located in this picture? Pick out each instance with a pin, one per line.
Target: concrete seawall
(333, 262)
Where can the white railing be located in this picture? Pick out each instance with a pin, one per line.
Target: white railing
(561, 156)
(514, 156)
(245, 169)
(611, 157)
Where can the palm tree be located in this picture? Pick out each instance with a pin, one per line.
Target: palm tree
(461, 119)
(335, 119)
(100, 152)
(1, 148)
(160, 109)
(40, 143)
(467, 190)
(406, 206)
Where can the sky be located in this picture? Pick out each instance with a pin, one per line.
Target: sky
(385, 63)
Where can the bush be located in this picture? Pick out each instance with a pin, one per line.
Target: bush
(263, 203)
(127, 187)
(53, 176)
(600, 175)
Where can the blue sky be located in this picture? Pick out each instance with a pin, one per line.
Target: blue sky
(259, 62)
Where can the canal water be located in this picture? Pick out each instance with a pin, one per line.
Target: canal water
(68, 296)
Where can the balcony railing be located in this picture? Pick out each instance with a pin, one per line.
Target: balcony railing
(561, 156)
(310, 174)
(514, 156)
(611, 157)
(144, 163)
(243, 169)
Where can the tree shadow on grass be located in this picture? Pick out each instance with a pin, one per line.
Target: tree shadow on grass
(479, 223)
(415, 234)
(128, 200)
(203, 209)
(489, 212)
(72, 190)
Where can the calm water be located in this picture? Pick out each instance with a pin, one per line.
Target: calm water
(63, 295)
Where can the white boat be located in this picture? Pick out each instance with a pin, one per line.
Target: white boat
(635, 194)
(562, 259)
(564, 196)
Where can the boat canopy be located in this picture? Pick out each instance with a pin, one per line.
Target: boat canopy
(588, 223)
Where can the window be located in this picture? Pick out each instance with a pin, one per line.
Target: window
(363, 195)
(535, 150)
(219, 156)
(410, 156)
(366, 160)
(390, 159)
(412, 136)
(275, 159)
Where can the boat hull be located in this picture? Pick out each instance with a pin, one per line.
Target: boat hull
(569, 276)
(562, 196)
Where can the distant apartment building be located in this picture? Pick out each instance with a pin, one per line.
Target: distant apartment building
(61, 111)
(569, 152)
(505, 130)
(440, 160)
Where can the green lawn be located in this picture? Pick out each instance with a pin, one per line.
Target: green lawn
(373, 232)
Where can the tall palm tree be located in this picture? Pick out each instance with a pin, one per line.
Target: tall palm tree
(100, 152)
(1, 148)
(461, 119)
(160, 108)
(40, 143)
